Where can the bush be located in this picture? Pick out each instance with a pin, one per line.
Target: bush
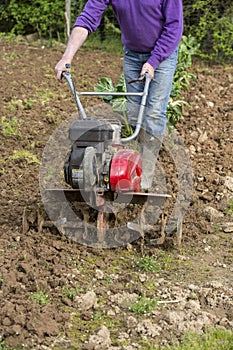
(211, 23)
(42, 16)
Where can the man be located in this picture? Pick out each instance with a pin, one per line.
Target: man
(151, 31)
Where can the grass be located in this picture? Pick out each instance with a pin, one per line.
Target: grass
(229, 209)
(213, 339)
(81, 328)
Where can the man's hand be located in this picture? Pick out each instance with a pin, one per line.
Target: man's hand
(147, 68)
(62, 66)
(77, 38)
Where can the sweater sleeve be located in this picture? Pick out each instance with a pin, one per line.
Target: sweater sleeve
(90, 17)
(171, 33)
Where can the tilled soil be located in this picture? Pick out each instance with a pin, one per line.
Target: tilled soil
(55, 293)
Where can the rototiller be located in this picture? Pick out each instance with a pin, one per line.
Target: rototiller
(101, 170)
(98, 161)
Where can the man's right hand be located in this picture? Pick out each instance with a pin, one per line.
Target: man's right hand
(77, 38)
(62, 66)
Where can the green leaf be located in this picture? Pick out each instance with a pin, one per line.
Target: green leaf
(105, 85)
(121, 86)
(119, 104)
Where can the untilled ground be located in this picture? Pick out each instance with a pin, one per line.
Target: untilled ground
(57, 294)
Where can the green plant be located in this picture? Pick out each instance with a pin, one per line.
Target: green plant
(98, 315)
(211, 22)
(214, 339)
(9, 56)
(143, 305)
(42, 16)
(24, 103)
(28, 103)
(10, 126)
(229, 209)
(148, 263)
(3, 346)
(105, 84)
(166, 261)
(40, 298)
(8, 37)
(24, 154)
(70, 292)
(118, 103)
(187, 49)
(217, 228)
(44, 96)
(112, 43)
(108, 279)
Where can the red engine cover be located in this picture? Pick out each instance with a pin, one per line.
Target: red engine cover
(126, 171)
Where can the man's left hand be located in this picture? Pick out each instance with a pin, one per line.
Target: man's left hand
(147, 68)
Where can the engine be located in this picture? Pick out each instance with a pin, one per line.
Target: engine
(98, 161)
(90, 139)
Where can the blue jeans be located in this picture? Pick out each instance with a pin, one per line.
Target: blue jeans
(159, 91)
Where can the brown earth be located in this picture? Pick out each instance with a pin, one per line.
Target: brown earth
(58, 294)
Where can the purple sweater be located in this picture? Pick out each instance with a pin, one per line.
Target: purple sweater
(153, 26)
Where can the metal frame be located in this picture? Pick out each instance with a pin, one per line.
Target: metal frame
(143, 94)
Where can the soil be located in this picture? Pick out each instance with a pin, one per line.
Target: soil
(59, 294)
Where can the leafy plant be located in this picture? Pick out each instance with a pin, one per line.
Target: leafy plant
(10, 126)
(167, 262)
(211, 22)
(143, 305)
(40, 298)
(175, 111)
(118, 103)
(187, 49)
(148, 263)
(8, 37)
(105, 84)
(42, 16)
(98, 315)
(70, 292)
(24, 154)
(44, 96)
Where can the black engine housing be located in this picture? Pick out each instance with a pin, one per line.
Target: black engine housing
(82, 134)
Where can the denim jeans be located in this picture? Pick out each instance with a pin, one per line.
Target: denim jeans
(155, 120)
